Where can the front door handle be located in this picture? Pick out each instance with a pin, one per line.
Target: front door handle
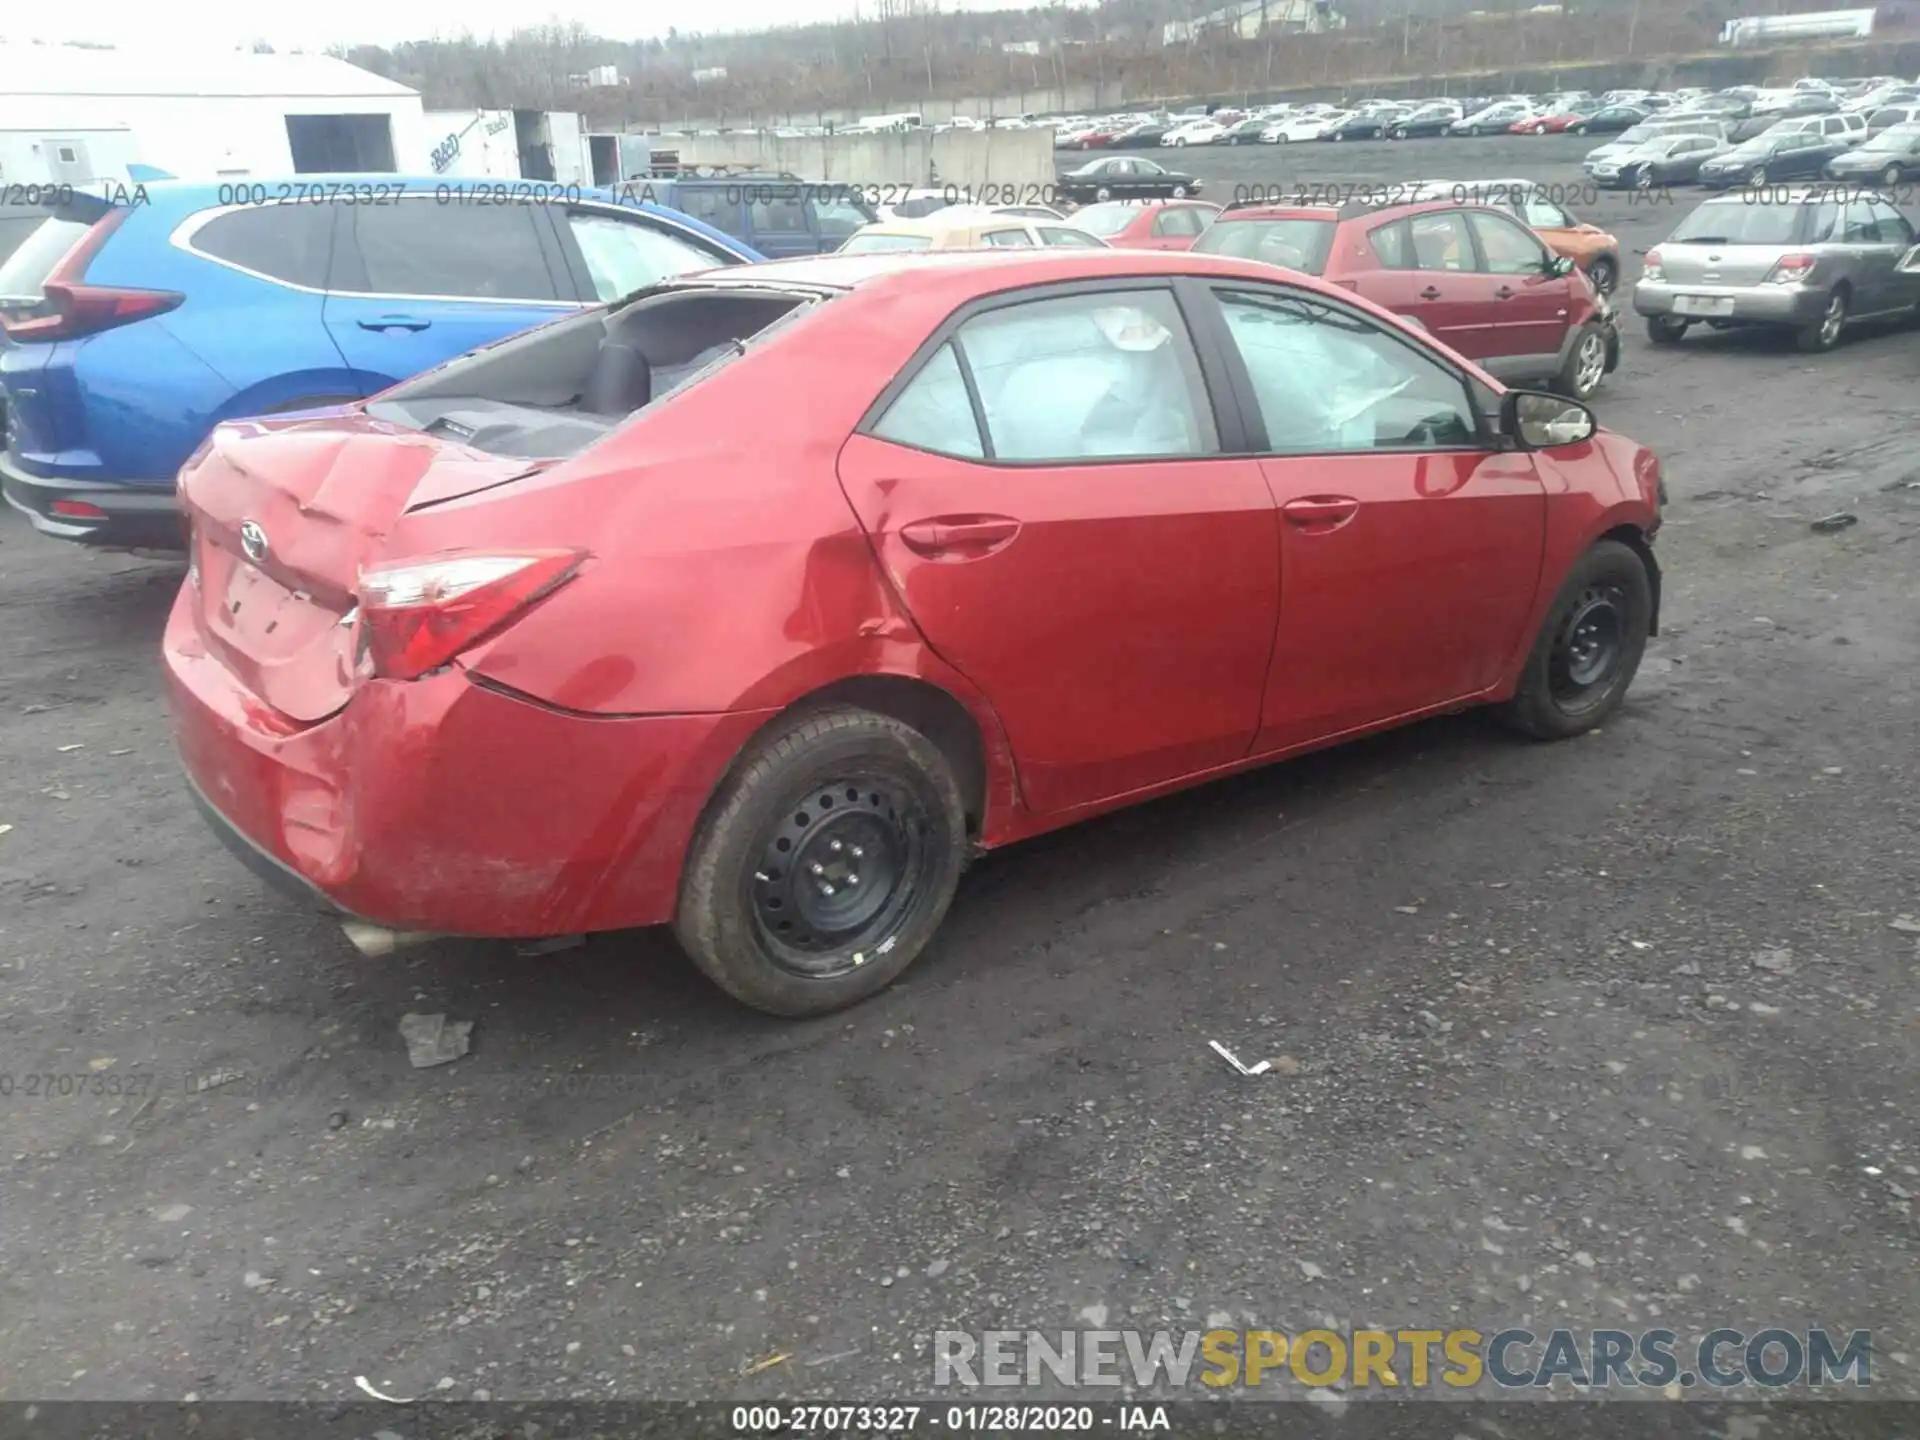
(1321, 510)
(1430, 293)
(395, 322)
(959, 536)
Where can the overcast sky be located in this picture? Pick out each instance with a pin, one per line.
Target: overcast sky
(383, 22)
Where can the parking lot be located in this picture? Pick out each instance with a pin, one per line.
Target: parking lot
(1616, 1032)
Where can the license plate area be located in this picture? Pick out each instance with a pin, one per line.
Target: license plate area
(1702, 305)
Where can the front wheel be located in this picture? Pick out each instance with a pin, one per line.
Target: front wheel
(1103, 194)
(824, 864)
(1589, 646)
(1579, 129)
(1585, 366)
(1604, 273)
(1179, 192)
(1890, 177)
(1757, 176)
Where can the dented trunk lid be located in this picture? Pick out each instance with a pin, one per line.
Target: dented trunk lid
(284, 515)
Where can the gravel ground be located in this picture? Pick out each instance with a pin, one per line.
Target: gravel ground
(1617, 1032)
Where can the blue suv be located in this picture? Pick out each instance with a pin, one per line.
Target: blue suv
(137, 319)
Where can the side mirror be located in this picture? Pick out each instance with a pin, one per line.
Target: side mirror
(1559, 266)
(1535, 420)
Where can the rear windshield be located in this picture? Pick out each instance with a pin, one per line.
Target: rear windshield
(1739, 222)
(24, 271)
(1297, 244)
(1104, 220)
(868, 244)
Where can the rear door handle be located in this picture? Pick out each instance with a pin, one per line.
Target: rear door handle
(1430, 293)
(395, 322)
(963, 536)
(1321, 510)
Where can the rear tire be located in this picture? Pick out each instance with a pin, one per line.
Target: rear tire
(1604, 272)
(1589, 647)
(1891, 176)
(1579, 129)
(1665, 330)
(827, 792)
(1823, 334)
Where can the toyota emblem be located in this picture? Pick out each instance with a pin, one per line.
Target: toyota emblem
(253, 540)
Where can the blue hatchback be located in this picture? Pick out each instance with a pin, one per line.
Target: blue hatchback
(137, 319)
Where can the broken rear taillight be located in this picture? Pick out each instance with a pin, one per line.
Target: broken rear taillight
(416, 615)
(1791, 269)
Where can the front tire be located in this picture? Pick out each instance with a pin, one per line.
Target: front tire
(1179, 192)
(1586, 365)
(1103, 194)
(772, 907)
(1579, 129)
(1891, 176)
(1604, 273)
(1589, 647)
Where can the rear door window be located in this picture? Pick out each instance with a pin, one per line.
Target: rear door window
(715, 205)
(1439, 241)
(1507, 248)
(290, 243)
(460, 252)
(1089, 377)
(1179, 220)
(776, 210)
(1008, 237)
(836, 217)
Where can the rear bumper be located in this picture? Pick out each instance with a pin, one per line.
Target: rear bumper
(445, 805)
(1752, 304)
(132, 517)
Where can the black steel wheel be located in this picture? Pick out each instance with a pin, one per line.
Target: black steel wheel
(836, 873)
(824, 863)
(1589, 646)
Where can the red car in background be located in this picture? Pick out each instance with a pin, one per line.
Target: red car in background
(1472, 276)
(1146, 225)
(540, 643)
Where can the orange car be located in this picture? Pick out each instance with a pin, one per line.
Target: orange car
(1594, 250)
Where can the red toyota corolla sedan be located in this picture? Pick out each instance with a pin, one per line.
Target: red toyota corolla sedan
(758, 603)
(1148, 225)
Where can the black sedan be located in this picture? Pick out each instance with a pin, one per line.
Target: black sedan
(1144, 136)
(1245, 132)
(1767, 158)
(1427, 121)
(1371, 125)
(1887, 158)
(1124, 177)
(1608, 120)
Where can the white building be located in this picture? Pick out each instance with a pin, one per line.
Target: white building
(209, 114)
(1249, 19)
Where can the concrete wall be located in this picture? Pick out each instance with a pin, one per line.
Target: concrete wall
(968, 159)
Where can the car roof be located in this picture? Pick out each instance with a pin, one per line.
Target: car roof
(181, 198)
(945, 222)
(967, 272)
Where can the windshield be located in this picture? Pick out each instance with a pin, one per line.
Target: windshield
(1637, 135)
(868, 244)
(1738, 222)
(1297, 244)
(1103, 220)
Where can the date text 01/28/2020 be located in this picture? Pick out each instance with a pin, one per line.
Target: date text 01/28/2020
(979, 1419)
